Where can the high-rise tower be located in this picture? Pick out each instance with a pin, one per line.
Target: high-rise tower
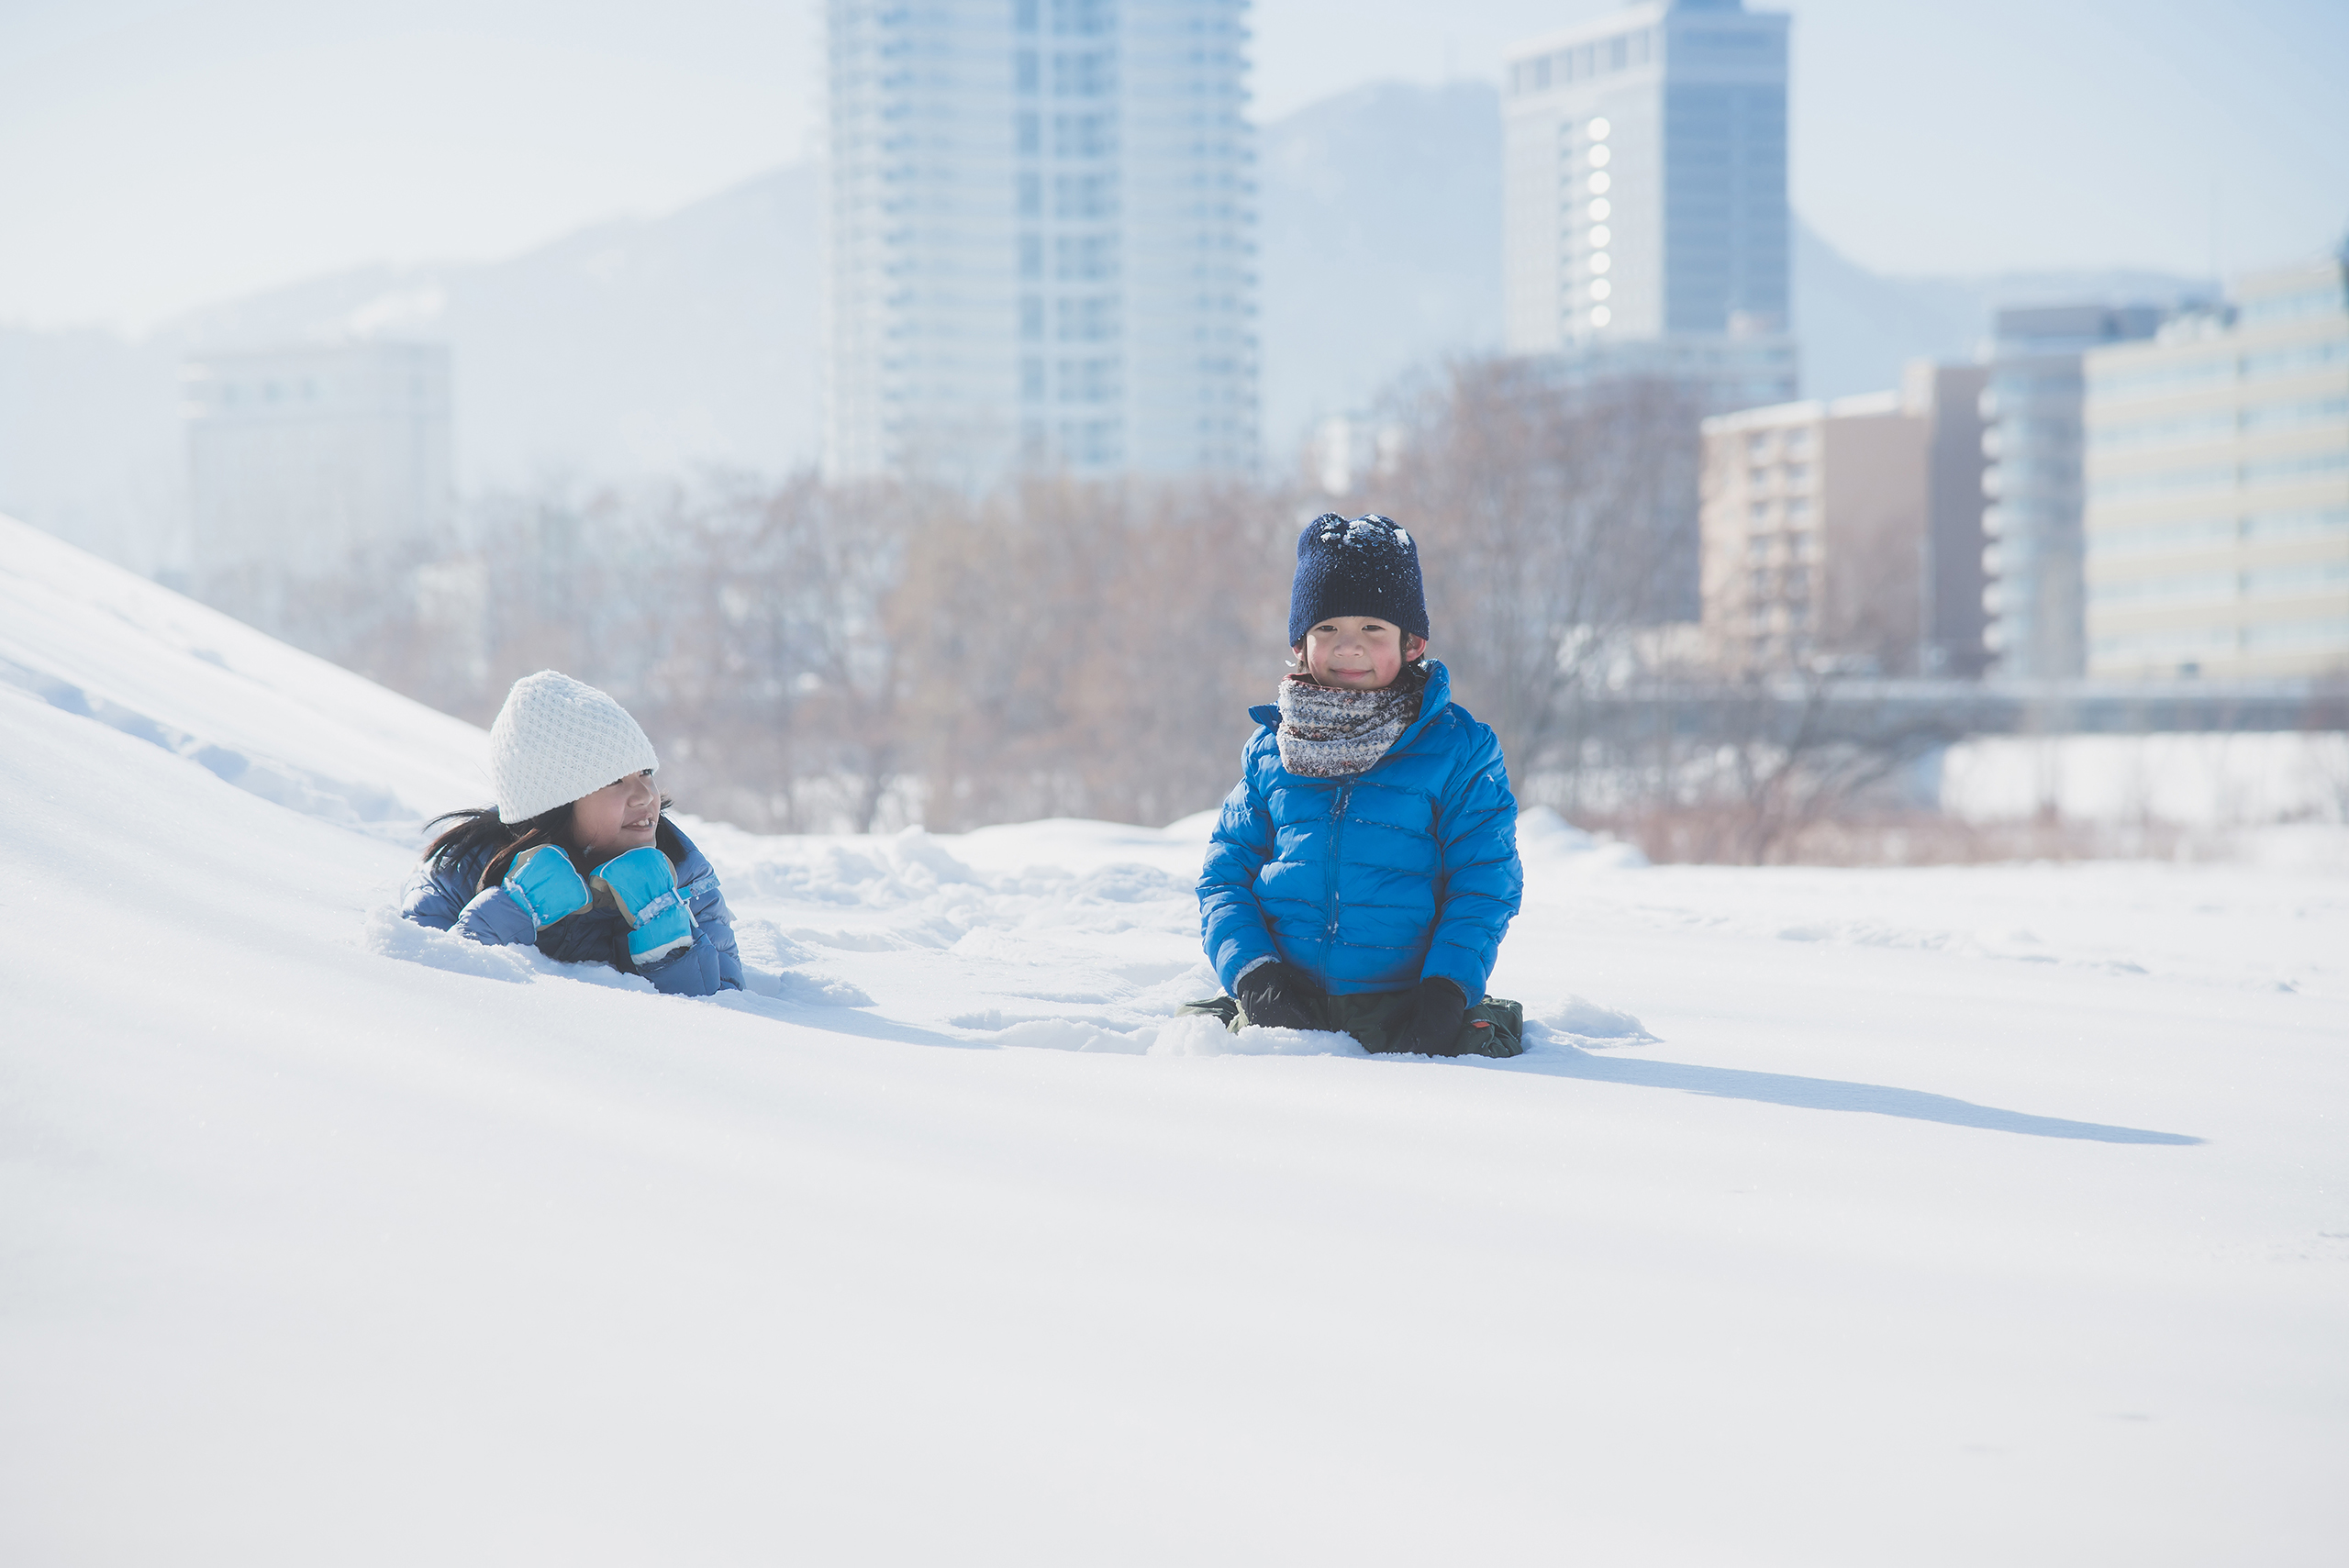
(1646, 201)
(1039, 239)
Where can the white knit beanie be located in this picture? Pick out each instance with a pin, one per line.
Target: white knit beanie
(557, 740)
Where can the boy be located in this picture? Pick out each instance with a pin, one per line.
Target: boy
(1364, 868)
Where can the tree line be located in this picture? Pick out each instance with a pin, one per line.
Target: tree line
(829, 658)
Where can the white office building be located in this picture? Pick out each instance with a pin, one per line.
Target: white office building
(1039, 240)
(1645, 201)
(2218, 488)
(301, 459)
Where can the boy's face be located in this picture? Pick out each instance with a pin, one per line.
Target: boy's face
(1359, 652)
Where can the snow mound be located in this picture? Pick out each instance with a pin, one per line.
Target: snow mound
(389, 936)
(910, 867)
(99, 642)
(1582, 1023)
(1543, 835)
(1197, 1034)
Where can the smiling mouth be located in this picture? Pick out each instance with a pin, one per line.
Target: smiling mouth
(641, 825)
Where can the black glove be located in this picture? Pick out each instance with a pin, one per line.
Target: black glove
(1431, 1025)
(1276, 996)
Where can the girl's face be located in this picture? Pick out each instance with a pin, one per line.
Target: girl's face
(621, 817)
(1359, 652)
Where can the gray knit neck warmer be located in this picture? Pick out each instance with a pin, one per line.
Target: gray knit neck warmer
(1329, 732)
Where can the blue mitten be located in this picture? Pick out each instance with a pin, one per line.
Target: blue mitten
(644, 885)
(546, 885)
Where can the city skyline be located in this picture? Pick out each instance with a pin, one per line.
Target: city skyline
(150, 145)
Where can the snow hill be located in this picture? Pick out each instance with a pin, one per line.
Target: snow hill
(1836, 1217)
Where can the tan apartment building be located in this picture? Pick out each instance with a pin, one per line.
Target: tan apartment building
(2217, 474)
(1815, 523)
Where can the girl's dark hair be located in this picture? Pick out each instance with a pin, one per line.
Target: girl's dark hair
(479, 827)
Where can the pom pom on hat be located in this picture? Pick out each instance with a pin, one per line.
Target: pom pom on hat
(557, 740)
(1368, 566)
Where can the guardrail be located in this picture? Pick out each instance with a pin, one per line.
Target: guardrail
(1876, 711)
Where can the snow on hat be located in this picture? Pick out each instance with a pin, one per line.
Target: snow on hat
(1366, 567)
(557, 740)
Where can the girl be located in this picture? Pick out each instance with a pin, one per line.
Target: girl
(1364, 868)
(576, 857)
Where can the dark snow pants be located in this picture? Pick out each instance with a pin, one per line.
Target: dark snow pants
(1492, 1028)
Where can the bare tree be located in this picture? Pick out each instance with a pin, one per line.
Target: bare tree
(1556, 521)
(1073, 646)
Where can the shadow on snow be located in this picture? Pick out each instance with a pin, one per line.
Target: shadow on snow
(1557, 1059)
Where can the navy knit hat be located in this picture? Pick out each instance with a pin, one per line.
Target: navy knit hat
(1367, 567)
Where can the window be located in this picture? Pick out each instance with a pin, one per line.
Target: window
(2297, 633)
(2288, 416)
(2162, 538)
(1085, 257)
(1027, 134)
(1081, 18)
(2188, 587)
(2278, 468)
(2261, 527)
(1089, 380)
(1026, 69)
(1088, 319)
(1085, 196)
(1031, 319)
(2297, 579)
(1084, 136)
(1031, 256)
(1085, 73)
(1032, 380)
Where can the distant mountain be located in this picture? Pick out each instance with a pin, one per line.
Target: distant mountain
(1858, 328)
(1379, 245)
(637, 346)
(634, 347)
(648, 346)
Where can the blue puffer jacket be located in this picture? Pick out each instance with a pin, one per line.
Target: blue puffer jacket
(1374, 882)
(442, 896)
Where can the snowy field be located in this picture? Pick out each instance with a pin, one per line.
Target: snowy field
(1837, 1217)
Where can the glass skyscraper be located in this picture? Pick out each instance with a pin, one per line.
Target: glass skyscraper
(1039, 248)
(2030, 411)
(1646, 195)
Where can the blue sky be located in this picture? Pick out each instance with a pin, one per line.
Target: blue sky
(157, 154)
